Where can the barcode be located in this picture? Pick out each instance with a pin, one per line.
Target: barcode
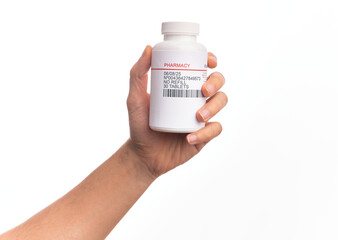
(182, 93)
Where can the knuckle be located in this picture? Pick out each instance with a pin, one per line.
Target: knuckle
(217, 77)
(223, 98)
(218, 128)
(220, 76)
(132, 71)
(219, 125)
(129, 101)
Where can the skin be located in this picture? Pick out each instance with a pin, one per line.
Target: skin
(93, 208)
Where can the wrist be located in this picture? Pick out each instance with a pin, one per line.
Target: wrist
(135, 164)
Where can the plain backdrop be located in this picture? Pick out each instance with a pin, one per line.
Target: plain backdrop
(271, 174)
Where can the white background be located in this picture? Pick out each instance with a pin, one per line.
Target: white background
(272, 174)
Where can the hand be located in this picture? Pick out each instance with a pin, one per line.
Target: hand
(160, 152)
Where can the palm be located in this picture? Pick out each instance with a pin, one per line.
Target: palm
(161, 151)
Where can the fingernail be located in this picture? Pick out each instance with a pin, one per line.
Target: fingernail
(210, 89)
(191, 138)
(205, 114)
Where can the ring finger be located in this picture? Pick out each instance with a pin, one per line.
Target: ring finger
(212, 107)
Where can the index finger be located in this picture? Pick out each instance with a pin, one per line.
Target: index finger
(212, 60)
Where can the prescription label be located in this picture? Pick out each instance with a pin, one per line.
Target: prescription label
(178, 74)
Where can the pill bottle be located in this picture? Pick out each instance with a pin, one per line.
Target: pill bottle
(178, 71)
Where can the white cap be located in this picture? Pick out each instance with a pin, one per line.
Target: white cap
(181, 27)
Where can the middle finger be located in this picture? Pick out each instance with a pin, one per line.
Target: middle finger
(213, 84)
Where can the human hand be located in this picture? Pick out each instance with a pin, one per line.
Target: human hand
(160, 152)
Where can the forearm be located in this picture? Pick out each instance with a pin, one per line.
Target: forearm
(94, 207)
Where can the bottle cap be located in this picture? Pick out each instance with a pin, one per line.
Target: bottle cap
(180, 28)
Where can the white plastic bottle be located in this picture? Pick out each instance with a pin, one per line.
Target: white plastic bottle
(178, 71)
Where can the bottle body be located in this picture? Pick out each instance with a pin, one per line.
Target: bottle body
(178, 71)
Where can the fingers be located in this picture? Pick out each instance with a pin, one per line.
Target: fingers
(212, 107)
(214, 83)
(214, 104)
(204, 135)
(212, 60)
(139, 73)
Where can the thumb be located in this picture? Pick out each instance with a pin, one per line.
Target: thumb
(139, 73)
